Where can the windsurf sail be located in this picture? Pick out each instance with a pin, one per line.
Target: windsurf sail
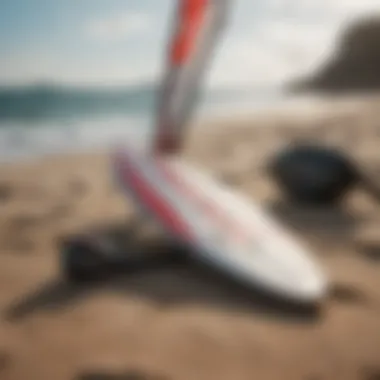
(197, 26)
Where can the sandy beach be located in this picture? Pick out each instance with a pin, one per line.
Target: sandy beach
(183, 322)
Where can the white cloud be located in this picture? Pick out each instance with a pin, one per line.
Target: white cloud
(351, 7)
(117, 27)
(247, 63)
(271, 54)
(305, 45)
(291, 39)
(333, 10)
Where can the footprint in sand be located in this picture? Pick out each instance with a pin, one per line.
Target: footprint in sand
(5, 360)
(78, 187)
(348, 294)
(6, 192)
(20, 244)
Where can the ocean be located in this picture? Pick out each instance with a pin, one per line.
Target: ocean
(46, 119)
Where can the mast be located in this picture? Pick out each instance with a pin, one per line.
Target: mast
(197, 27)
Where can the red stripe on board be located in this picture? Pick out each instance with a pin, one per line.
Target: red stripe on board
(150, 197)
(206, 205)
(191, 15)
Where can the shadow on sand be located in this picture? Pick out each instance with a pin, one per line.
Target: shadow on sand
(370, 251)
(348, 294)
(169, 283)
(327, 222)
(328, 225)
(127, 375)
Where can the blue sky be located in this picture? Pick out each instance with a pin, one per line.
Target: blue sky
(80, 40)
(122, 41)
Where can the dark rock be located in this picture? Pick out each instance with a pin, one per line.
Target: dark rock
(355, 65)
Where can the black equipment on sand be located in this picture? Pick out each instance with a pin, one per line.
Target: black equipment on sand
(317, 175)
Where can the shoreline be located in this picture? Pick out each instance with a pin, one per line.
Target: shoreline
(300, 113)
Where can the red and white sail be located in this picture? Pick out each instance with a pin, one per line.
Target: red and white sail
(197, 26)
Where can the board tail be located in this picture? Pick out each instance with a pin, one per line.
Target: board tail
(197, 27)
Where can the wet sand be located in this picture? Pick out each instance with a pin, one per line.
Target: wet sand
(181, 321)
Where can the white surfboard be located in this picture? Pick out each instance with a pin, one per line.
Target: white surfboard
(223, 228)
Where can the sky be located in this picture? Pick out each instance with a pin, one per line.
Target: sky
(120, 42)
